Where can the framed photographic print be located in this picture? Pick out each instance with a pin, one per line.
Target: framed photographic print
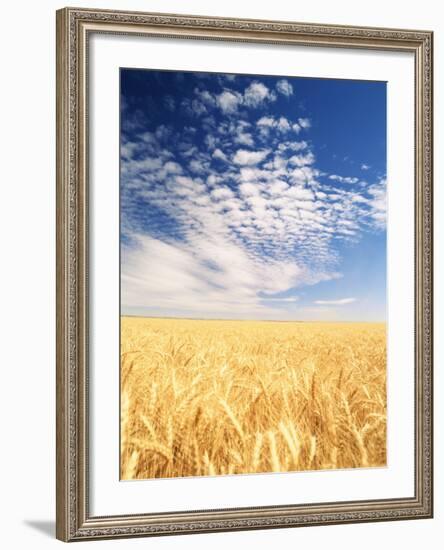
(244, 274)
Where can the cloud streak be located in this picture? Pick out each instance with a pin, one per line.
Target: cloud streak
(341, 302)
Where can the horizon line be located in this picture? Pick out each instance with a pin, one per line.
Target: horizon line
(246, 319)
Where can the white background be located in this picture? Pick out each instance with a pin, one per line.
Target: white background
(27, 122)
(108, 496)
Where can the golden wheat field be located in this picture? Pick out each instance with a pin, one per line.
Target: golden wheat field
(235, 397)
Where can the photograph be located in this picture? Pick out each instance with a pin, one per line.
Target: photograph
(244, 273)
(253, 260)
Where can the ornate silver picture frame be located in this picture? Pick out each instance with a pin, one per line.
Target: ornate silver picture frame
(75, 518)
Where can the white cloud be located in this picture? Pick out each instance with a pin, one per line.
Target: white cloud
(198, 166)
(378, 203)
(302, 160)
(342, 179)
(244, 138)
(304, 123)
(172, 168)
(284, 87)
(253, 174)
(290, 299)
(188, 187)
(214, 179)
(292, 145)
(277, 187)
(222, 193)
(197, 108)
(342, 302)
(249, 189)
(211, 141)
(188, 150)
(148, 164)
(239, 132)
(256, 93)
(219, 154)
(127, 150)
(203, 277)
(229, 101)
(365, 167)
(282, 124)
(249, 158)
(205, 97)
(266, 121)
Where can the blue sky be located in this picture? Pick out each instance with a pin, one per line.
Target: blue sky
(252, 197)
